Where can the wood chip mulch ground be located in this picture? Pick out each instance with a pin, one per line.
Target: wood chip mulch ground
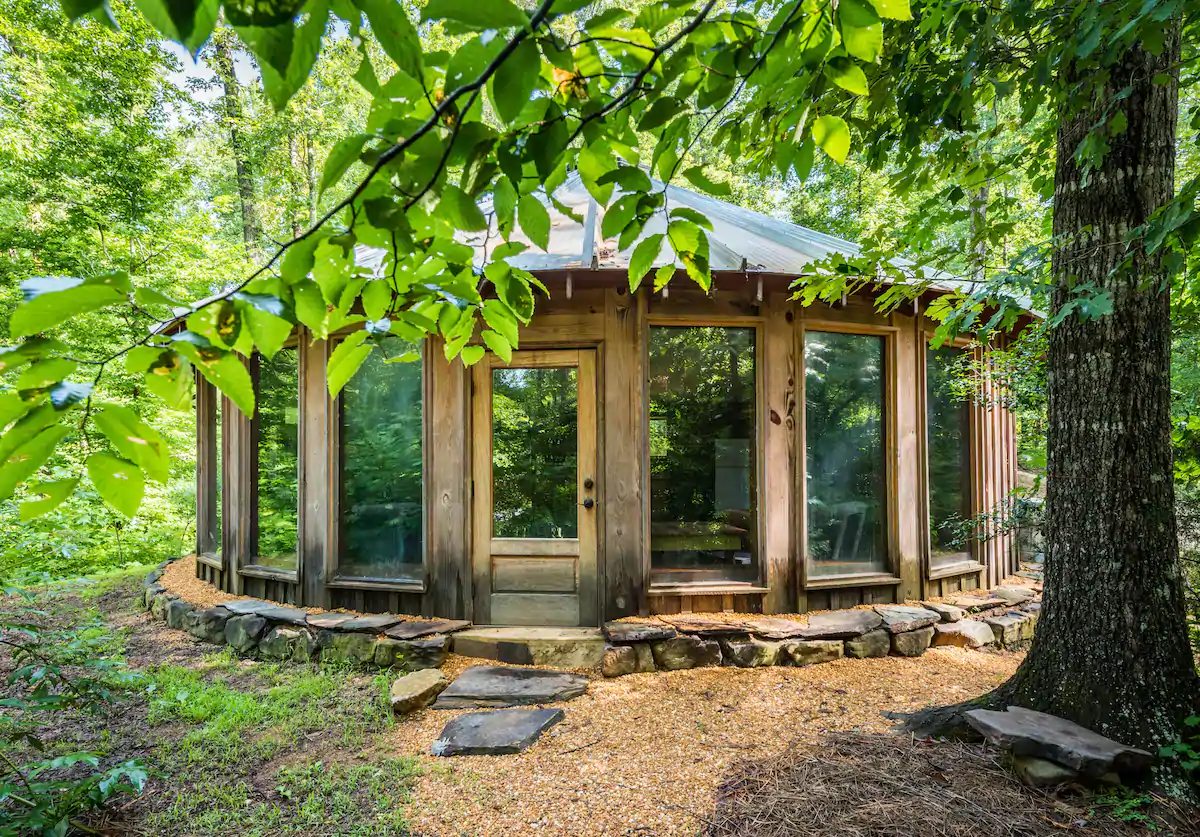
(647, 754)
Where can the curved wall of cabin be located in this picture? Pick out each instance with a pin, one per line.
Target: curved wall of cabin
(616, 324)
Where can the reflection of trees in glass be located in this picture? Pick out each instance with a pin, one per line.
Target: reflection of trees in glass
(277, 475)
(381, 502)
(703, 492)
(846, 465)
(535, 453)
(949, 437)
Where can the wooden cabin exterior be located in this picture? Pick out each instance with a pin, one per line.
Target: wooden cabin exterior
(748, 486)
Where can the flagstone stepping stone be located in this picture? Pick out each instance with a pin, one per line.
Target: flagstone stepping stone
(1032, 575)
(968, 633)
(1029, 733)
(415, 629)
(328, 621)
(244, 607)
(1011, 627)
(372, 624)
(700, 626)
(899, 619)
(414, 691)
(841, 624)
(769, 627)
(498, 733)
(1012, 594)
(912, 643)
(498, 686)
(637, 631)
(948, 612)
(411, 654)
(287, 615)
(977, 603)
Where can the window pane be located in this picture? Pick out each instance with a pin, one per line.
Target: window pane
(535, 453)
(949, 443)
(381, 461)
(847, 466)
(703, 486)
(277, 476)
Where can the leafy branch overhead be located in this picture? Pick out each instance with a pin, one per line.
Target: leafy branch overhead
(529, 93)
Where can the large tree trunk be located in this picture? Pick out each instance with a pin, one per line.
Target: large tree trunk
(231, 101)
(1111, 650)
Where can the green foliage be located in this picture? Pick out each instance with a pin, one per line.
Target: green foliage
(1187, 752)
(55, 673)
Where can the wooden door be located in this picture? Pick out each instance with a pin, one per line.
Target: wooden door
(535, 488)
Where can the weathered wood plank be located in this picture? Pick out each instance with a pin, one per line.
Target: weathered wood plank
(447, 487)
(318, 493)
(779, 454)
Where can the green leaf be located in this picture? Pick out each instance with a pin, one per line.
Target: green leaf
(847, 75)
(311, 308)
(476, 15)
(395, 33)
(595, 162)
(511, 288)
(893, 9)
(500, 318)
(341, 157)
(149, 296)
(25, 460)
(268, 331)
(53, 495)
(189, 22)
(515, 81)
(225, 371)
(642, 260)
(286, 52)
(496, 342)
(12, 407)
(862, 33)
(49, 300)
(692, 215)
(471, 355)
(345, 360)
(535, 220)
(696, 176)
(170, 377)
(504, 200)
(663, 275)
(833, 135)
(460, 209)
(119, 482)
(44, 373)
(377, 299)
(135, 440)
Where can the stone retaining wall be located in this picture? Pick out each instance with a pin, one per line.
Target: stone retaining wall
(1005, 618)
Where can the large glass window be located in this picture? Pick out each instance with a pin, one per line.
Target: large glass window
(703, 438)
(845, 432)
(276, 474)
(949, 451)
(535, 452)
(382, 528)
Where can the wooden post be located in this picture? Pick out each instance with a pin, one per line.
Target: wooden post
(904, 379)
(318, 494)
(207, 463)
(624, 565)
(779, 446)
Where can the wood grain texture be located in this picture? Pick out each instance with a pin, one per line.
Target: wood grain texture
(447, 488)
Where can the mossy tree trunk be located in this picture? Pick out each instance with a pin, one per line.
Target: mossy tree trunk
(1111, 650)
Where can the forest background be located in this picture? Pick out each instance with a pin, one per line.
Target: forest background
(119, 152)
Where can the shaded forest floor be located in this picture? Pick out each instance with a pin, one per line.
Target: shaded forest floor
(239, 747)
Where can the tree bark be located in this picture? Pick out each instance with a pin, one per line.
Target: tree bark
(1111, 650)
(231, 102)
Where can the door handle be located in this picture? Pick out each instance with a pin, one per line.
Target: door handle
(589, 503)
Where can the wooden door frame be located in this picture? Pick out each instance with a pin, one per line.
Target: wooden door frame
(588, 430)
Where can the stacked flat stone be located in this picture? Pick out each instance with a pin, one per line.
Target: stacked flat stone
(269, 631)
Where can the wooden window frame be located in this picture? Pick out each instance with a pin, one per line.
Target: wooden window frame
(333, 453)
(246, 565)
(209, 464)
(706, 588)
(971, 565)
(891, 575)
